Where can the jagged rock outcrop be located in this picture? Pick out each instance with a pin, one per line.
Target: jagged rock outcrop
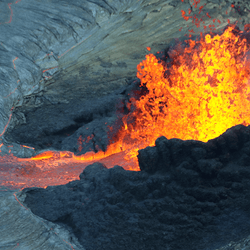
(189, 195)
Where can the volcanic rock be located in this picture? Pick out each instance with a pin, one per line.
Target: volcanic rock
(21, 229)
(194, 196)
(66, 65)
(58, 66)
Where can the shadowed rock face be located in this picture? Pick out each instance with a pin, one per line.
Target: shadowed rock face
(189, 195)
(57, 66)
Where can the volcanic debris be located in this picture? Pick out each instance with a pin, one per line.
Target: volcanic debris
(188, 195)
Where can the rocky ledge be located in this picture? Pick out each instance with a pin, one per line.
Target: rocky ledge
(188, 195)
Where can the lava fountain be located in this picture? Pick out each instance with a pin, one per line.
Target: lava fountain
(198, 94)
(204, 91)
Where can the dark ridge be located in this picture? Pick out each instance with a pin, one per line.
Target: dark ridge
(188, 195)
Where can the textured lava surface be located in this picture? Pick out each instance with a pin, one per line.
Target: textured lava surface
(188, 195)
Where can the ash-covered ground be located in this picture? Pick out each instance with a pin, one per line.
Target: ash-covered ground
(188, 195)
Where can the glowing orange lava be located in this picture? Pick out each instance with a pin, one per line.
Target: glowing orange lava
(199, 95)
(204, 92)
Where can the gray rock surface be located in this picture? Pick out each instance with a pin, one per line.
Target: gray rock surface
(55, 61)
(55, 56)
(21, 229)
(243, 244)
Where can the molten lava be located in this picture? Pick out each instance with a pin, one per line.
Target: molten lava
(201, 92)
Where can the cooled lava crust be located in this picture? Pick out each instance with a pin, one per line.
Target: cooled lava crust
(188, 195)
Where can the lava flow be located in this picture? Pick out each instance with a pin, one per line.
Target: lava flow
(198, 94)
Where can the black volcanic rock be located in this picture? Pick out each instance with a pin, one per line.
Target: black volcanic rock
(232, 146)
(58, 66)
(188, 195)
(67, 65)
